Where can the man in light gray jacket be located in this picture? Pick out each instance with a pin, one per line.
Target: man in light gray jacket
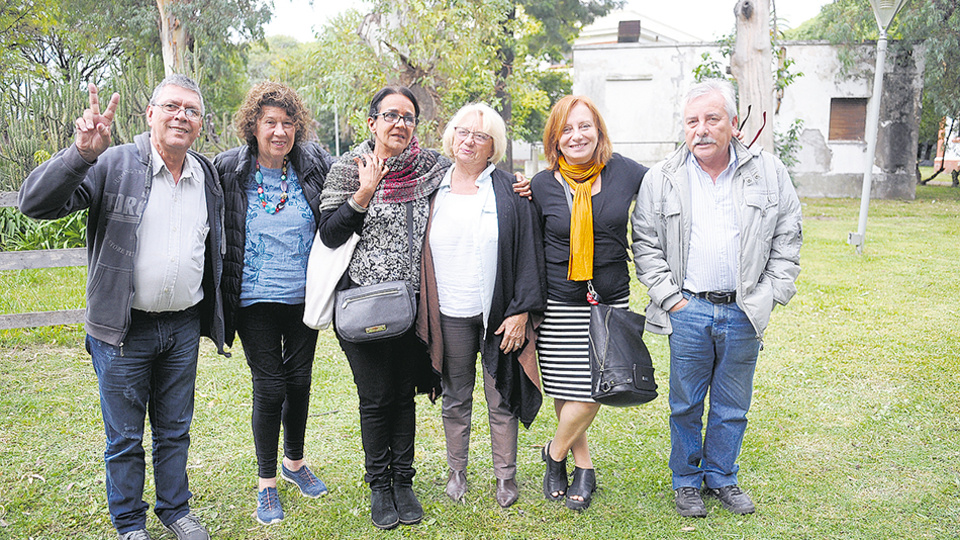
(716, 240)
(154, 232)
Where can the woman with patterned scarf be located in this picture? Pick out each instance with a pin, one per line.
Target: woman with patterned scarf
(583, 201)
(368, 191)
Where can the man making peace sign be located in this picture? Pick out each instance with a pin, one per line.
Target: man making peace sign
(153, 287)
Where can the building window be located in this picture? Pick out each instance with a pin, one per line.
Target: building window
(848, 119)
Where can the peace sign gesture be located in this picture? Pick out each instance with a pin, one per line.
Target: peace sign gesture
(93, 128)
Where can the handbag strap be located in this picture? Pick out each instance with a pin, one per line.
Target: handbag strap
(409, 205)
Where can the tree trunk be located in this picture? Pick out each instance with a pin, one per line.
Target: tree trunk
(506, 58)
(752, 63)
(173, 38)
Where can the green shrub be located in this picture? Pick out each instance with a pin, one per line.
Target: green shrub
(18, 232)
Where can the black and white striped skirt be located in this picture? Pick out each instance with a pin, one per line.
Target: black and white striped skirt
(563, 347)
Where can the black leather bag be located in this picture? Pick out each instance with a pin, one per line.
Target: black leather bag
(620, 365)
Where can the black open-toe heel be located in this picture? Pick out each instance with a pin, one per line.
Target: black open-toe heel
(555, 478)
(584, 484)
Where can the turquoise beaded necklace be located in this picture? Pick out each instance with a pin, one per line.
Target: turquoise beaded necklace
(283, 188)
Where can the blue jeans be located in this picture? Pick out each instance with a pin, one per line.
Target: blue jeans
(713, 347)
(154, 369)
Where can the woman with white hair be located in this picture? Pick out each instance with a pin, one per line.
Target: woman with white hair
(482, 274)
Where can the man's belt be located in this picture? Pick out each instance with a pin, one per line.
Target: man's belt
(717, 297)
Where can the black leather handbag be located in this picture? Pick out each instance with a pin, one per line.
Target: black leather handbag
(620, 365)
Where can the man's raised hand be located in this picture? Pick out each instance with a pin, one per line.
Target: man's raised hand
(93, 128)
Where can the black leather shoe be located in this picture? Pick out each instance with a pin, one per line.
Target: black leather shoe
(584, 484)
(507, 492)
(734, 499)
(555, 478)
(408, 507)
(689, 502)
(383, 509)
(457, 485)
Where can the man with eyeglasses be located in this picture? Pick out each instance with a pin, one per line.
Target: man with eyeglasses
(153, 287)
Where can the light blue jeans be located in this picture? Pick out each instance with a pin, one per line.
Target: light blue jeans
(713, 347)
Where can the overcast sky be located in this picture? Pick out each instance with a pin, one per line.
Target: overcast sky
(709, 19)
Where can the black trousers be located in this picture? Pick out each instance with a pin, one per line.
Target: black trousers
(279, 350)
(385, 375)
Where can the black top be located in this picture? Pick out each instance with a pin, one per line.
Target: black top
(620, 181)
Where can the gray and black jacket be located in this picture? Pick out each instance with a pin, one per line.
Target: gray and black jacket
(115, 188)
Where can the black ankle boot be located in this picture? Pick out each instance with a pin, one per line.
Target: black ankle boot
(408, 507)
(555, 477)
(383, 508)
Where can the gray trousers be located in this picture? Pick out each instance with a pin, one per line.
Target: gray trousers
(461, 343)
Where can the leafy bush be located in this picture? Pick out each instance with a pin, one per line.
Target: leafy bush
(18, 232)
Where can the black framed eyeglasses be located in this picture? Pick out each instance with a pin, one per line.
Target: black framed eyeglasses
(391, 117)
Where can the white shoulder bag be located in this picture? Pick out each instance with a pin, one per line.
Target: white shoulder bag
(325, 267)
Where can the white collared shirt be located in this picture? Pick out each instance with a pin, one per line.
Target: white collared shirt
(168, 266)
(464, 240)
(714, 230)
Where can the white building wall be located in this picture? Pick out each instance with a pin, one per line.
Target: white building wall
(639, 90)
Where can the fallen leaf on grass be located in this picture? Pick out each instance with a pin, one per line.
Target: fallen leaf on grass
(31, 477)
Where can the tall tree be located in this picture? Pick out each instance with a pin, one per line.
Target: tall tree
(68, 40)
(174, 40)
(550, 41)
(751, 63)
(444, 50)
(210, 38)
(452, 52)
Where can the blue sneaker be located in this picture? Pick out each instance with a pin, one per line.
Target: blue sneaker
(309, 484)
(268, 506)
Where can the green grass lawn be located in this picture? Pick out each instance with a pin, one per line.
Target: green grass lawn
(854, 431)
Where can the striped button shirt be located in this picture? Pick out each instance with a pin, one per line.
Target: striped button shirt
(714, 231)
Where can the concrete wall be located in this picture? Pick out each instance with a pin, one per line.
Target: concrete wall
(639, 89)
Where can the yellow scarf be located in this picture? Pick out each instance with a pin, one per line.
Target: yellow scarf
(580, 178)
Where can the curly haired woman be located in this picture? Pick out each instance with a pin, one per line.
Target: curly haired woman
(272, 190)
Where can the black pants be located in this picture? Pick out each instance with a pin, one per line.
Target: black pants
(279, 350)
(385, 375)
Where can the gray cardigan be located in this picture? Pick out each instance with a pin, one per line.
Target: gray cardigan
(115, 188)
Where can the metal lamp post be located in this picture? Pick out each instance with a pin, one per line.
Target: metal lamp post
(884, 10)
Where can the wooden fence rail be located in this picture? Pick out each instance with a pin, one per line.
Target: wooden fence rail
(46, 258)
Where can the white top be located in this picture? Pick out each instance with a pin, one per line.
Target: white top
(464, 241)
(714, 231)
(168, 265)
